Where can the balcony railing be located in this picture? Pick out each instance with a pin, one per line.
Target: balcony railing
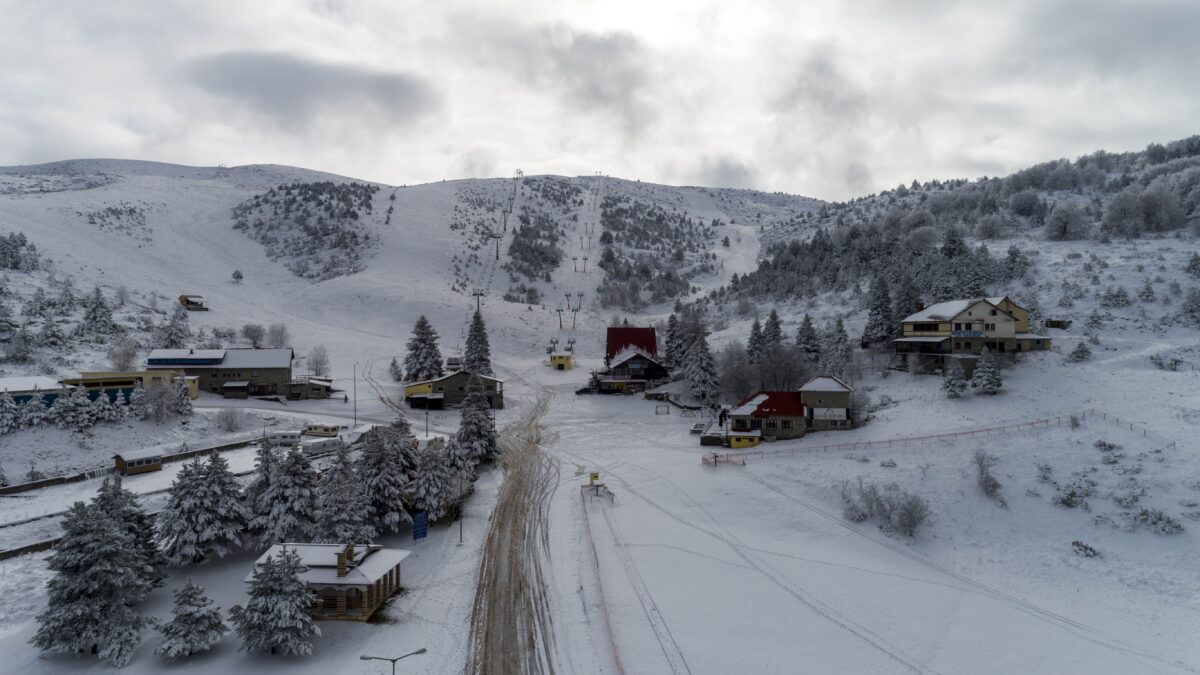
(966, 333)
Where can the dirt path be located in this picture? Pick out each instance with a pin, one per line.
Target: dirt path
(511, 628)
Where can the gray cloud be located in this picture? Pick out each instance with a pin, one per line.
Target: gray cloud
(725, 171)
(293, 92)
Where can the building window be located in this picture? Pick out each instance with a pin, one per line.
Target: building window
(993, 312)
(787, 424)
(772, 424)
(755, 424)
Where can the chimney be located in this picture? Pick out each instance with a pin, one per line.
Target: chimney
(920, 306)
(349, 552)
(191, 351)
(341, 564)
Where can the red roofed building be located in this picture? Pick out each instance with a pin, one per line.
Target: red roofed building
(775, 414)
(621, 338)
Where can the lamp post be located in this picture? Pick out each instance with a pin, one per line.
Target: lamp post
(364, 657)
(356, 393)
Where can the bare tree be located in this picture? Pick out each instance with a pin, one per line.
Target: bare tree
(254, 333)
(122, 296)
(984, 462)
(123, 355)
(278, 336)
(159, 402)
(229, 419)
(318, 360)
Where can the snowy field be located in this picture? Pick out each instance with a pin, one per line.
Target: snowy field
(693, 568)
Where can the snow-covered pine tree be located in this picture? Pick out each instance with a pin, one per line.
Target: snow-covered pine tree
(1192, 268)
(432, 480)
(126, 511)
(20, 348)
(671, 342)
(461, 471)
(102, 409)
(97, 316)
(1146, 292)
(1081, 352)
(183, 399)
(10, 414)
(278, 615)
(954, 381)
(72, 410)
(137, 404)
(772, 332)
(383, 476)
(986, 378)
(120, 407)
(175, 332)
(808, 341)
(195, 624)
(754, 343)
(292, 497)
(881, 324)
(97, 581)
(343, 516)
(258, 510)
(836, 350)
(424, 360)
(205, 515)
(477, 357)
(700, 369)
(52, 335)
(34, 412)
(396, 372)
(905, 301)
(475, 432)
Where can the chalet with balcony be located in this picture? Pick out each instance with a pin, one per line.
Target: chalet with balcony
(631, 369)
(773, 415)
(827, 402)
(963, 328)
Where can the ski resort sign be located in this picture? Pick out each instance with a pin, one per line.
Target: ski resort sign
(829, 413)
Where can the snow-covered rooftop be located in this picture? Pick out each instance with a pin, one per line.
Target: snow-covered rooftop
(369, 563)
(825, 383)
(15, 385)
(628, 353)
(749, 406)
(944, 311)
(257, 358)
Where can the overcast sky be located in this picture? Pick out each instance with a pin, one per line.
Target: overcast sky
(830, 99)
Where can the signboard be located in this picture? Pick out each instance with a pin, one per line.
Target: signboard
(593, 477)
(420, 525)
(829, 413)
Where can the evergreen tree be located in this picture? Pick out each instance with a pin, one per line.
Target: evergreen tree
(292, 498)
(754, 344)
(383, 475)
(1146, 292)
(123, 507)
(475, 432)
(183, 399)
(432, 480)
(97, 581)
(477, 357)
(671, 342)
(423, 361)
(195, 625)
(278, 615)
(1193, 265)
(342, 512)
(72, 410)
(954, 382)
(9, 414)
(395, 370)
(175, 332)
(52, 335)
(20, 348)
(772, 332)
(986, 378)
(34, 412)
(97, 316)
(1081, 353)
(881, 324)
(258, 509)
(808, 341)
(836, 351)
(204, 516)
(405, 444)
(102, 409)
(137, 404)
(700, 369)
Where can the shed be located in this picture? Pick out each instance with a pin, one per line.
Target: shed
(133, 462)
(193, 303)
(349, 581)
(744, 439)
(561, 361)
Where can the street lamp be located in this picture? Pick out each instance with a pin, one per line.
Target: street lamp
(364, 657)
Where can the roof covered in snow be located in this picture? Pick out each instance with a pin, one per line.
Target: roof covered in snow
(945, 311)
(454, 374)
(825, 383)
(630, 352)
(770, 404)
(15, 385)
(257, 358)
(621, 337)
(368, 564)
(221, 358)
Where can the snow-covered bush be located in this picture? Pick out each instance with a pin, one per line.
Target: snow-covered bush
(984, 462)
(1074, 493)
(891, 508)
(1080, 353)
(1084, 550)
(1157, 521)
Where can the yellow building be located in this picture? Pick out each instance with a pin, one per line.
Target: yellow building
(128, 381)
(744, 439)
(561, 361)
(968, 327)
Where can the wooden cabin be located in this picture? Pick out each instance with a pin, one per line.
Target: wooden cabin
(193, 303)
(350, 582)
(451, 390)
(774, 414)
(630, 370)
(741, 439)
(138, 461)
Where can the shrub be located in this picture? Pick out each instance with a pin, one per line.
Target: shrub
(984, 462)
(1084, 550)
(1074, 493)
(1158, 521)
(229, 419)
(892, 508)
